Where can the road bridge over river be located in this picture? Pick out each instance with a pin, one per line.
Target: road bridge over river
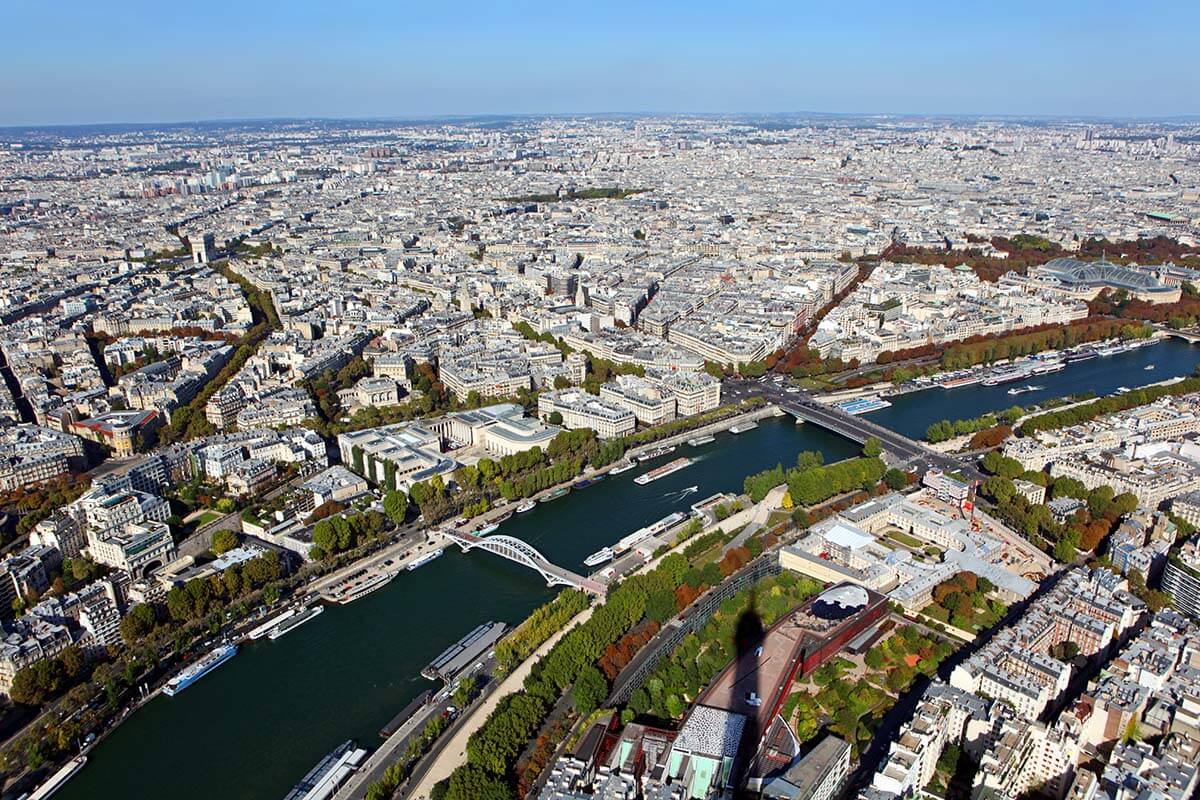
(903, 450)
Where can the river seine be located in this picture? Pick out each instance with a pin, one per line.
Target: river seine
(253, 727)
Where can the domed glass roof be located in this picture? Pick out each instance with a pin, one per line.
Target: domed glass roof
(1101, 273)
(840, 602)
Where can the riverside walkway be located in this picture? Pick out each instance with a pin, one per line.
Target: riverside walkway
(450, 752)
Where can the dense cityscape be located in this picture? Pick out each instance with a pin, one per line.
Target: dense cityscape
(628, 457)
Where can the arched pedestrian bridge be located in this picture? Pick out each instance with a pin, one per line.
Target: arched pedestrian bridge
(525, 554)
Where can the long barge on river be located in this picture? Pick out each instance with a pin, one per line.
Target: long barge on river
(406, 713)
(290, 624)
(663, 471)
(637, 537)
(650, 455)
(467, 650)
(271, 624)
(195, 672)
(359, 585)
(331, 772)
(58, 779)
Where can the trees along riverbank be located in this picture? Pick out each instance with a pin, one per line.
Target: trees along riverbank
(521, 475)
(590, 655)
(811, 482)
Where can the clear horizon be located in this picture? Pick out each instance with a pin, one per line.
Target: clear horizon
(125, 63)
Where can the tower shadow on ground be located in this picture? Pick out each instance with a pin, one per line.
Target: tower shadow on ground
(747, 636)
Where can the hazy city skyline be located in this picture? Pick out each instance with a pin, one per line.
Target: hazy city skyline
(354, 60)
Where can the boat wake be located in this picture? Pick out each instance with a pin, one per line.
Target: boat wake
(678, 495)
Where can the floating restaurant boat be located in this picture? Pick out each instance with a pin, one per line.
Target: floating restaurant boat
(362, 585)
(701, 440)
(272, 624)
(650, 455)
(624, 466)
(863, 405)
(1045, 367)
(962, 380)
(330, 773)
(743, 427)
(1007, 376)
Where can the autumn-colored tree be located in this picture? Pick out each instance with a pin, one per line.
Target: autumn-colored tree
(1094, 533)
(734, 560)
(990, 437)
(685, 595)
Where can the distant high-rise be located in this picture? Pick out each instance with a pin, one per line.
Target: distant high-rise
(204, 250)
(1181, 579)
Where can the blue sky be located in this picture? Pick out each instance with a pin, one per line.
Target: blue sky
(76, 61)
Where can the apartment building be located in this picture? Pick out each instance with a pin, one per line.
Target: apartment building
(582, 410)
(223, 407)
(1181, 578)
(1015, 665)
(944, 715)
(138, 548)
(1187, 507)
(123, 432)
(694, 392)
(27, 640)
(650, 403)
(1027, 756)
(32, 454)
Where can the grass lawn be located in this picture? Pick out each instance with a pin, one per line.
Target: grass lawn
(937, 612)
(711, 554)
(986, 618)
(207, 517)
(906, 540)
(982, 617)
(777, 517)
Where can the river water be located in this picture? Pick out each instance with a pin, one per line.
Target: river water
(253, 727)
(912, 414)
